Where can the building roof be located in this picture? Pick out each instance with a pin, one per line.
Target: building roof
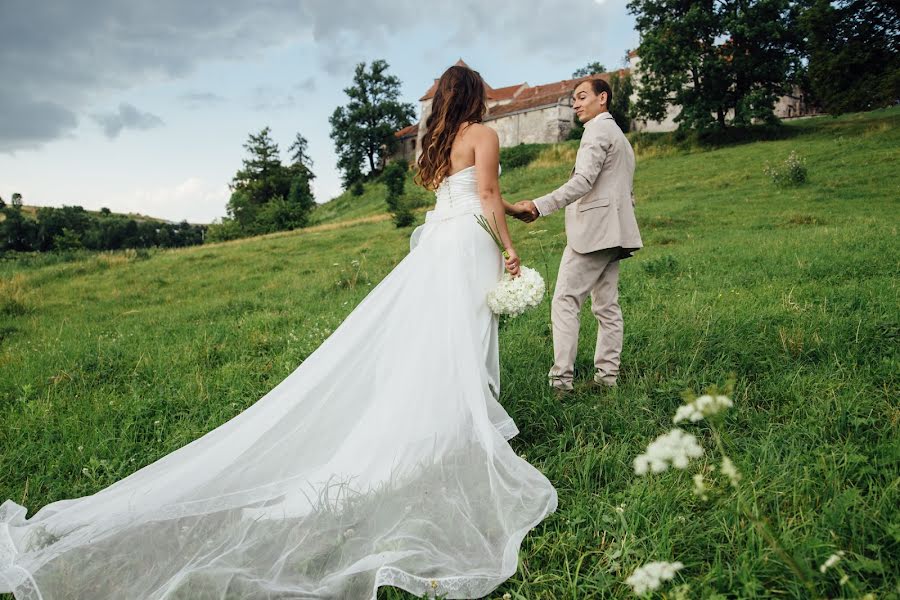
(410, 130)
(523, 96)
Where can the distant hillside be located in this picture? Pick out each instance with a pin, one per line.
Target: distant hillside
(138, 217)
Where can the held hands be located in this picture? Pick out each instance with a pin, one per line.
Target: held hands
(525, 211)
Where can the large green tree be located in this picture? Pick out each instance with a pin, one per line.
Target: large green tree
(853, 48)
(262, 176)
(363, 130)
(713, 58)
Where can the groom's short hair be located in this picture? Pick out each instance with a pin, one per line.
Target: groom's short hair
(598, 85)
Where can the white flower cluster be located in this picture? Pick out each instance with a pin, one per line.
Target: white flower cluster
(729, 470)
(704, 406)
(650, 576)
(514, 295)
(676, 448)
(832, 560)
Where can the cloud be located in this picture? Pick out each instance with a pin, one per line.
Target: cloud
(26, 124)
(127, 117)
(269, 98)
(194, 199)
(196, 100)
(307, 85)
(61, 58)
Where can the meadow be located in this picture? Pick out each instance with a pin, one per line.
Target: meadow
(110, 361)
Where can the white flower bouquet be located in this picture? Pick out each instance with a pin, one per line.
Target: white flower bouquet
(513, 295)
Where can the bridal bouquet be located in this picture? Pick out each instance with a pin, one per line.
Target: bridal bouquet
(513, 295)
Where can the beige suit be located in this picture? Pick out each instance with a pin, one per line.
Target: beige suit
(600, 230)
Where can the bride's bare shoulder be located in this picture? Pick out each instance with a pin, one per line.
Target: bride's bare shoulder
(481, 133)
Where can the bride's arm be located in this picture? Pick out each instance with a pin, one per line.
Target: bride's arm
(487, 159)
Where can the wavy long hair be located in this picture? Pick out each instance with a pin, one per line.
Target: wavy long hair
(459, 98)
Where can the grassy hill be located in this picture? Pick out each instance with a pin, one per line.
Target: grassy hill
(110, 362)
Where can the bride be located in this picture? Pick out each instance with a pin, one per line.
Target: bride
(381, 460)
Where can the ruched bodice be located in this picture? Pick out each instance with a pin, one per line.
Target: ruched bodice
(457, 195)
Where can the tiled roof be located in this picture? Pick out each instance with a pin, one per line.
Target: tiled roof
(525, 97)
(411, 130)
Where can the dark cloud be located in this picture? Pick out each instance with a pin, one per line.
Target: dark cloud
(25, 124)
(127, 117)
(61, 57)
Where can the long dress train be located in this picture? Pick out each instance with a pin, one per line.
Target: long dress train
(381, 460)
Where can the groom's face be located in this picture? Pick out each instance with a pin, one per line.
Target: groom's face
(586, 103)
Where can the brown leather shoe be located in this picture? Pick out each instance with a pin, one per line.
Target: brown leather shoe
(562, 394)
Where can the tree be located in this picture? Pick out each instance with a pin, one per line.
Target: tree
(853, 48)
(394, 178)
(263, 176)
(711, 58)
(300, 193)
(620, 108)
(2, 203)
(591, 68)
(363, 131)
(17, 200)
(299, 155)
(17, 232)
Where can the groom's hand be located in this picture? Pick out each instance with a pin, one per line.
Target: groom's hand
(528, 212)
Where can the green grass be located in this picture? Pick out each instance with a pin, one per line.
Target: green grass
(111, 361)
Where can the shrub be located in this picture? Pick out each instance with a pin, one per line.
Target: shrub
(515, 157)
(790, 173)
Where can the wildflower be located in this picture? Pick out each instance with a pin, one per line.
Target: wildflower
(507, 596)
(832, 560)
(700, 488)
(729, 470)
(650, 576)
(704, 406)
(675, 448)
(434, 584)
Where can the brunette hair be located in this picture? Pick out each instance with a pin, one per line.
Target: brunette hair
(459, 98)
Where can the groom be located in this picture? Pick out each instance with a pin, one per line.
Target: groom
(600, 230)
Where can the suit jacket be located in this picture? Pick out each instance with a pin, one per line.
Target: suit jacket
(602, 184)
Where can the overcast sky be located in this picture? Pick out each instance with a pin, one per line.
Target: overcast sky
(144, 106)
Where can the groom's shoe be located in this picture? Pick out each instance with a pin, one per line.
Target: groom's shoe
(601, 382)
(562, 394)
(561, 389)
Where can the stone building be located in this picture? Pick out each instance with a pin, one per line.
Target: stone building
(542, 114)
(789, 106)
(520, 114)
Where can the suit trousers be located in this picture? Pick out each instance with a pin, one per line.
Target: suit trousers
(597, 274)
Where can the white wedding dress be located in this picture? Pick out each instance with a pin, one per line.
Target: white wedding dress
(381, 460)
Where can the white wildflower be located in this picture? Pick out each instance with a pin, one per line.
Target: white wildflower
(507, 596)
(700, 488)
(729, 470)
(513, 295)
(832, 560)
(844, 580)
(704, 406)
(675, 448)
(650, 576)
